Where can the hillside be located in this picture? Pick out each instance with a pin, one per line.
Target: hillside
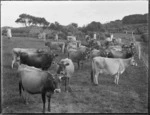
(137, 23)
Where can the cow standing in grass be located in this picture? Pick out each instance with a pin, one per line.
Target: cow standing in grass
(66, 68)
(109, 66)
(35, 81)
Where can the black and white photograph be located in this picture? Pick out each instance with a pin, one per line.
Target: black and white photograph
(74, 56)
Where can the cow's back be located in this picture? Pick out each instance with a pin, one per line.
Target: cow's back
(70, 67)
(37, 60)
(106, 65)
(32, 80)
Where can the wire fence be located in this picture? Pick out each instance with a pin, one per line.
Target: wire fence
(142, 52)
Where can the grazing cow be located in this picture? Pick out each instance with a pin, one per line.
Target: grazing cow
(116, 47)
(71, 38)
(56, 45)
(38, 60)
(78, 56)
(109, 66)
(94, 44)
(35, 81)
(66, 67)
(100, 52)
(71, 45)
(120, 54)
(17, 51)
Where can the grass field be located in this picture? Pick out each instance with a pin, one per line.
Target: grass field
(130, 96)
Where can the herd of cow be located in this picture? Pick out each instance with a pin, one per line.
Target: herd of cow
(33, 65)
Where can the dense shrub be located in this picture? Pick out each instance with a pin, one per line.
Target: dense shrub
(144, 37)
(20, 30)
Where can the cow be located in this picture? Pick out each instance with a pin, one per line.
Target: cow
(72, 45)
(120, 54)
(66, 65)
(36, 81)
(109, 66)
(71, 38)
(56, 45)
(38, 60)
(116, 47)
(77, 55)
(100, 52)
(93, 43)
(16, 52)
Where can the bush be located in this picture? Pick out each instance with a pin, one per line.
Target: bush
(144, 37)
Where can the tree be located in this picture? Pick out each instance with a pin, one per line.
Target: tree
(28, 20)
(24, 19)
(75, 25)
(93, 27)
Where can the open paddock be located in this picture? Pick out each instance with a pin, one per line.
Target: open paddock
(130, 96)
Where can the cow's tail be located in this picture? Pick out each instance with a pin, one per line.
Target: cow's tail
(20, 88)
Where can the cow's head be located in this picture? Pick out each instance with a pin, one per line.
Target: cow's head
(133, 62)
(52, 55)
(55, 82)
(62, 68)
(86, 54)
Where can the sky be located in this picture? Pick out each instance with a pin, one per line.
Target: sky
(66, 12)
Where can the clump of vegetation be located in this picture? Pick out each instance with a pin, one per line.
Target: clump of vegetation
(144, 37)
(135, 19)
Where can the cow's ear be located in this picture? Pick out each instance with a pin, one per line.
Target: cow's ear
(66, 64)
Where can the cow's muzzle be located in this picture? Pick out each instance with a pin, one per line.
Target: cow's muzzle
(57, 90)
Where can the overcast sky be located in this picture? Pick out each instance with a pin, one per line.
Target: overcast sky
(66, 12)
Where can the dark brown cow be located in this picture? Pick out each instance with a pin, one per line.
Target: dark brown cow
(38, 60)
(36, 81)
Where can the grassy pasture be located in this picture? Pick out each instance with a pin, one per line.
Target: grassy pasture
(130, 96)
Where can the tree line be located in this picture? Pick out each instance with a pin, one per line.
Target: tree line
(135, 19)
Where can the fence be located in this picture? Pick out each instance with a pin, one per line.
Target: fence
(143, 50)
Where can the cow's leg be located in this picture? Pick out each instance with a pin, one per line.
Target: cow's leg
(96, 78)
(43, 99)
(26, 98)
(13, 61)
(65, 83)
(20, 87)
(117, 80)
(92, 76)
(68, 84)
(12, 64)
(49, 103)
(82, 64)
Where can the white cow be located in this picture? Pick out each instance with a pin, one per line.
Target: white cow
(71, 38)
(109, 66)
(68, 67)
